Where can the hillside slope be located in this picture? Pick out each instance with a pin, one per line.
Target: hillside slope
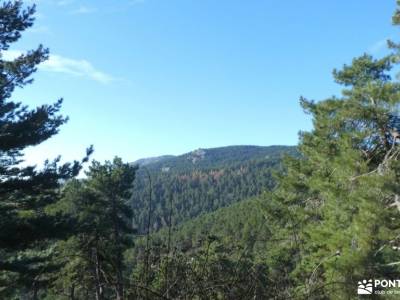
(241, 223)
(186, 186)
(241, 230)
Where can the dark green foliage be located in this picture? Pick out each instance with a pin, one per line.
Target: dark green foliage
(215, 271)
(203, 181)
(217, 255)
(92, 258)
(237, 224)
(25, 192)
(335, 209)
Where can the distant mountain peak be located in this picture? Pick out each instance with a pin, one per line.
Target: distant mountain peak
(196, 155)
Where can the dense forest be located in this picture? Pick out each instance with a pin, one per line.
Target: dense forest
(202, 181)
(313, 221)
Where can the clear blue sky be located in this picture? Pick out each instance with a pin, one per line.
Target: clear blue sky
(149, 77)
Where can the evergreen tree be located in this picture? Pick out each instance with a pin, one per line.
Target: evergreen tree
(25, 192)
(335, 213)
(93, 257)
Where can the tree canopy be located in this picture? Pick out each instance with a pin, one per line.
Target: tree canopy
(26, 191)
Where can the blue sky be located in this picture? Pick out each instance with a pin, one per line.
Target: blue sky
(143, 78)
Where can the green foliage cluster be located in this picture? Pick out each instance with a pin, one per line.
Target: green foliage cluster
(336, 209)
(92, 258)
(214, 271)
(26, 227)
(219, 255)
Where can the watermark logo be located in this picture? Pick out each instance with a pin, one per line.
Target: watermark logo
(365, 287)
(378, 287)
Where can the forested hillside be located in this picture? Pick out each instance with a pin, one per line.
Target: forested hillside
(240, 225)
(202, 181)
(225, 250)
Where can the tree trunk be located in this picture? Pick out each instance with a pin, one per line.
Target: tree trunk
(35, 291)
(99, 288)
(119, 285)
(72, 292)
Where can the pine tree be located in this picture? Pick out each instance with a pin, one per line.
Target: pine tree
(25, 192)
(93, 256)
(335, 211)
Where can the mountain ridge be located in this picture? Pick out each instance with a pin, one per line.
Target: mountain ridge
(217, 156)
